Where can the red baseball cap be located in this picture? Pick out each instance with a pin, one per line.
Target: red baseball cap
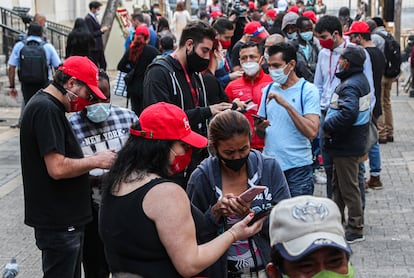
(142, 29)
(271, 13)
(85, 70)
(165, 121)
(252, 6)
(358, 27)
(293, 9)
(256, 29)
(311, 15)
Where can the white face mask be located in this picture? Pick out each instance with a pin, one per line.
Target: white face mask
(250, 68)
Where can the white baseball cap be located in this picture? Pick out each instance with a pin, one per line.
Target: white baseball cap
(303, 224)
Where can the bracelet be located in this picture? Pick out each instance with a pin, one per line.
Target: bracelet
(11, 87)
(233, 235)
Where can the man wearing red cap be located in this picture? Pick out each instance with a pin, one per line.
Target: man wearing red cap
(360, 34)
(253, 31)
(269, 18)
(54, 169)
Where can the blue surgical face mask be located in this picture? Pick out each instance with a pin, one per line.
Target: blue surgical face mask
(270, 22)
(279, 76)
(294, 35)
(98, 112)
(306, 36)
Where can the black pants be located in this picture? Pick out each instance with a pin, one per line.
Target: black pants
(94, 262)
(61, 252)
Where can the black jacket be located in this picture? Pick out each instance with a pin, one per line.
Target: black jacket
(135, 88)
(95, 29)
(348, 117)
(165, 81)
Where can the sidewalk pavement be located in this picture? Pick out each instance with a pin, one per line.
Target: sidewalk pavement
(388, 250)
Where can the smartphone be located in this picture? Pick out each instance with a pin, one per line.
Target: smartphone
(251, 193)
(257, 117)
(260, 215)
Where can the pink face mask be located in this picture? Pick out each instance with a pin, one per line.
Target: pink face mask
(181, 161)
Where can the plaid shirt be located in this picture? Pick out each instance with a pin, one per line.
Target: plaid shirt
(108, 135)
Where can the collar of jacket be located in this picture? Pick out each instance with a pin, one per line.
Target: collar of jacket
(348, 73)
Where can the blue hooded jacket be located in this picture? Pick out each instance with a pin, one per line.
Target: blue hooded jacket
(204, 190)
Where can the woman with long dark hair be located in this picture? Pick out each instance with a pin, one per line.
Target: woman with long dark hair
(135, 61)
(80, 41)
(163, 29)
(217, 183)
(146, 222)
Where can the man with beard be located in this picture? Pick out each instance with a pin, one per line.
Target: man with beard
(175, 79)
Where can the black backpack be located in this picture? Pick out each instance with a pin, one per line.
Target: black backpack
(33, 67)
(392, 54)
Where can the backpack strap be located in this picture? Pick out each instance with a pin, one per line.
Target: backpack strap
(301, 96)
(163, 62)
(266, 94)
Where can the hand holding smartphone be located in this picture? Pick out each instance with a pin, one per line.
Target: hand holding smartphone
(251, 193)
(257, 117)
(259, 215)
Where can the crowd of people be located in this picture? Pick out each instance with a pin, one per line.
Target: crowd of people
(248, 98)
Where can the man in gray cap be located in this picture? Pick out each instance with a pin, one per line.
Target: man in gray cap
(346, 131)
(307, 239)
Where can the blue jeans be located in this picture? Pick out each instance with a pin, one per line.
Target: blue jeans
(61, 252)
(375, 160)
(300, 180)
(327, 159)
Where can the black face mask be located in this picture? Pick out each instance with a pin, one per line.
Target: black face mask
(195, 63)
(234, 164)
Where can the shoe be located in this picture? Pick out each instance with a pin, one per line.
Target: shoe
(319, 178)
(375, 183)
(382, 140)
(15, 126)
(390, 139)
(352, 238)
